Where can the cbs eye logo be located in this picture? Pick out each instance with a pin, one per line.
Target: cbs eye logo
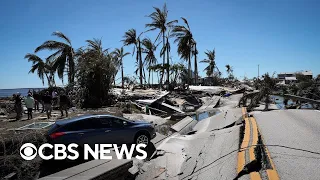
(28, 151)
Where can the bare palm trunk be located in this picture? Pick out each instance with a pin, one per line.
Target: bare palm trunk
(144, 76)
(122, 82)
(48, 79)
(218, 69)
(53, 80)
(168, 74)
(140, 62)
(195, 64)
(189, 70)
(71, 68)
(164, 59)
(149, 78)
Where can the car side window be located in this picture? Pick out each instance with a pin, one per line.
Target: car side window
(111, 122)
(82, 125)
(105, 122)
(117, 123)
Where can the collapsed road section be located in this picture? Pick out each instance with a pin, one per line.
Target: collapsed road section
(202, 153)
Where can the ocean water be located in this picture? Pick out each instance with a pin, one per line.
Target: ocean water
(22, 91)
(280, 105)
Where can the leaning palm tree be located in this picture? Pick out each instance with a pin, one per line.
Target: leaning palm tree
(185, 42)
(63, 58)
(160, 21)
(119, 55)
(130, 38)
(211, 55)
(43, 69)
(150, 59)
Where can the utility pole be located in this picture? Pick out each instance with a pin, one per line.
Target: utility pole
(258, 71)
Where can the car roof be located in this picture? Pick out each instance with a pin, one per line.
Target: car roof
(74, 119)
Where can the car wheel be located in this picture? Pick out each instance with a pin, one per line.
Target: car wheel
(142, 138)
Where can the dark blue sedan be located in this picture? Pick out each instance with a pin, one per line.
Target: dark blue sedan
(101, 129)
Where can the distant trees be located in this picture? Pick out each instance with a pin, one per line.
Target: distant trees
(119, 55)
(266, 87)
(211, 56)
(150, 58)
(229, 70)
(131, 38)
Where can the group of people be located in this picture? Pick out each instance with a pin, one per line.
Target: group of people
(47, 100)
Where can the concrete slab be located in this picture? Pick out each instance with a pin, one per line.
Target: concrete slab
(185, 125)
(158, 139)
(172, 107)
(151, 101)
(209, 103)
(219, 121)
(210, 89)
(150, 118)
(208, 155)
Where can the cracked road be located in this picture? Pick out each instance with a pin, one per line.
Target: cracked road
(292, 138)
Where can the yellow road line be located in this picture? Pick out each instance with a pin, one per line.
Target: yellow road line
(271, 173)
(254, 139)
(241, 161)
(244, 144)
(255, 176)
(244, 112)
(252, 155)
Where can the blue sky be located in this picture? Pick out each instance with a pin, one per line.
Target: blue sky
(280, 35)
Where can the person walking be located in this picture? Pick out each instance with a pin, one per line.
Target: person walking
(64, 103)
(29, 101)
(36, 97)
(18, 106)
(47, 101)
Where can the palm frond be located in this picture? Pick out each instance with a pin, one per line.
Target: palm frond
(62, 36)
(50, 45)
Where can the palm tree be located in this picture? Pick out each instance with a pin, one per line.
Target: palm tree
(149, 49)
(266, 88)
(229, 71)
(211, 55)
(119, 55)
(195, 53)
(42, 68)
(63, 58)
(50, 71)
(160, 21)
(176, 70)
(96, 71)
(131, 38)
(185, 43)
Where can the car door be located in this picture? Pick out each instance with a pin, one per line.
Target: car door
(86, 131)
(114, 130)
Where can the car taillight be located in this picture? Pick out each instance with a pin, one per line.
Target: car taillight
(57, 134)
